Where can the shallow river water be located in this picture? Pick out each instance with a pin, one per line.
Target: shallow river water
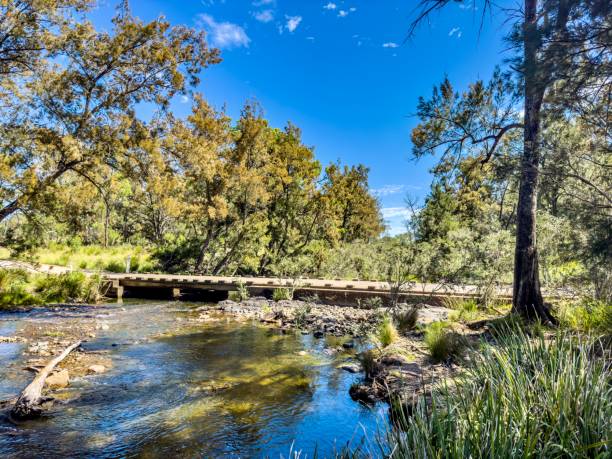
(180, 389)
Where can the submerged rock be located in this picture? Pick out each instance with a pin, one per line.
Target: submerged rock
(96, 369)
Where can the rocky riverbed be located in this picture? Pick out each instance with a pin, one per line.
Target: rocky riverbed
(402, 370)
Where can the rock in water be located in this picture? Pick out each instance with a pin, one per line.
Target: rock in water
(58, 380)
(350, 367)
(96, 369)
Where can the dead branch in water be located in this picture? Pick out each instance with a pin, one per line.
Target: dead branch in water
(29, 403)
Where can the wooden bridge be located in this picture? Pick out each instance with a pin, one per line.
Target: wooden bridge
(217, 287)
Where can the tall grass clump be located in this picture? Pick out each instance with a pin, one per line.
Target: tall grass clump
(386, 333)
(442, 343)
(282, 293)
(523, 397)
(406, 319)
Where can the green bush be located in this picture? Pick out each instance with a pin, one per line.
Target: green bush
(587, 316)
(406, 319)
(18, 288)
(386, 332)
(443, 344)
(282, 293)
(372, 302)
(523, 397)
(114, 266)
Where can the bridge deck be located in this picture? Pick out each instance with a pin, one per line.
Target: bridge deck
(229, 283)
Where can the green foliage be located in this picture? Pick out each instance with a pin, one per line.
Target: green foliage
(282, 293)
(19, 288)
(15, 289)
(591, 316)
(406, 319)
(372, 302)
(386, 333)
(443, 344)
(522, 397)
(368, 361)
(301, 315)
(243, 291)
(73, 286)
(464, 310)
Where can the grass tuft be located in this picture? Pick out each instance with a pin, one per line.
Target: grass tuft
(443, 344)
(406, 319)
(386, 332)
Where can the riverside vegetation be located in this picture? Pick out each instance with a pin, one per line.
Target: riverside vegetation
(87, 183)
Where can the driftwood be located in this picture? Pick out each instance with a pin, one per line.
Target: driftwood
(30, 401)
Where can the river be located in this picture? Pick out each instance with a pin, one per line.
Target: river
(184, 389)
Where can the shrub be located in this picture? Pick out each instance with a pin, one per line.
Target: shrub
(386, 332)
(67, 287)
(443, 344)
(282, 293)
(522, 398)
(587, 316)
(464, 310)
(243, 291)
(373, 302)
(114, 266)
(406, 319)
(368, 361)
(301, 315)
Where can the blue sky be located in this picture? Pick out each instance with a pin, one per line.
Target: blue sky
(342, 71)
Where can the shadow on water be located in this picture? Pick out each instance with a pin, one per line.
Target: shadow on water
(224, 390)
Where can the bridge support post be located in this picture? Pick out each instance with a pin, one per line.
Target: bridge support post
(118, 288)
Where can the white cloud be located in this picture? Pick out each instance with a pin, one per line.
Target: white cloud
(342, 14)
(224, 34)
(310, 38)
(184, 99)
(395, 219)
(395, 212)
(455, 30)
(263, 2)
(293, 22)
(390, 45)
(388, 189)
(330, 6)
(264, 16)
(352, 9)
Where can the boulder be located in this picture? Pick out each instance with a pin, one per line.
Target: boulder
(58, 380)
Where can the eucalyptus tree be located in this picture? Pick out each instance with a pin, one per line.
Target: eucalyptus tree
(562, 54)
(73, 113)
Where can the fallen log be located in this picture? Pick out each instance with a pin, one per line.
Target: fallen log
(30, 401)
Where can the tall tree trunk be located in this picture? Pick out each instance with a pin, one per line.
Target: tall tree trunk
(106, 221)
(527, 297)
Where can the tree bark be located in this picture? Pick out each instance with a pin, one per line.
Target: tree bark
(527, 297)
(29, 403)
